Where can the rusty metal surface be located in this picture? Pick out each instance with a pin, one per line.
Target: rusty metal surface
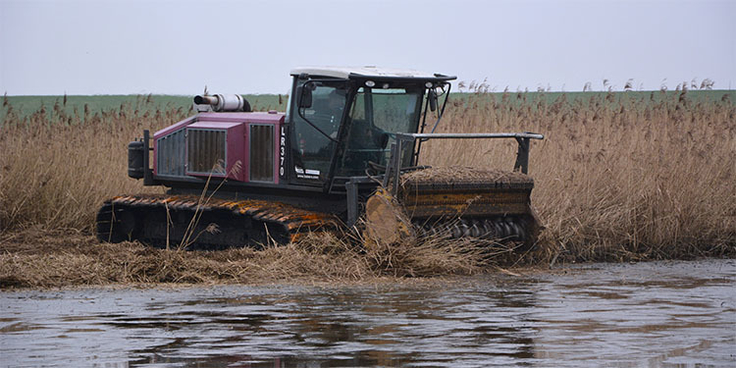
(459, 191)
(294, 220)
(470, 202)
(419, 204)
(482, 203)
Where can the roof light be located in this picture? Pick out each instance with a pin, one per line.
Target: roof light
(370, 83)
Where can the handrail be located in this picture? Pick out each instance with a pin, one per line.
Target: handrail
(427, 136)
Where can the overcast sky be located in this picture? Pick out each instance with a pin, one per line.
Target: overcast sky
(178, 47)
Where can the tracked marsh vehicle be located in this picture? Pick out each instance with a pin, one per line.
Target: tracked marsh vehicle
(239, 178)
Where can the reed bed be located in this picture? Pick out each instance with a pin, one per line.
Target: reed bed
(57, 167)
(619, 177)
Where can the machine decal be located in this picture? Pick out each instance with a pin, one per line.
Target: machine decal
(306, 173)
(282, 152)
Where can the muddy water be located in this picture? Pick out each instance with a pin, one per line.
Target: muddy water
(649, 314)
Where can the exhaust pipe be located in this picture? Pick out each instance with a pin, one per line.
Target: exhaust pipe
(221, 103)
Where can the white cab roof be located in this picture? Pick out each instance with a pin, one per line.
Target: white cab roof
(369, 71)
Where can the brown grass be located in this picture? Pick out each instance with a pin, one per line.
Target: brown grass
(38, 257)
(628, 180)
(614, 180)
(56, 170)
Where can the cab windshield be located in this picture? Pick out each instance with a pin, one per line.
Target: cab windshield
(375, 115)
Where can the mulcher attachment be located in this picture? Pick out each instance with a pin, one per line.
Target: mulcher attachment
(200, 223)
(468, 202)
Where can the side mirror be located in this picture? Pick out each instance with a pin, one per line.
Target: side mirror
(432, 99)
(305, 98)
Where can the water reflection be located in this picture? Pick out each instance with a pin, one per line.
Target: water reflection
(622, 315)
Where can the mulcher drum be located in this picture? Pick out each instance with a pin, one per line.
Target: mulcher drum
(489, 204)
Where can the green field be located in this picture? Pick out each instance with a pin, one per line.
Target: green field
(77, 105)
(24, 106)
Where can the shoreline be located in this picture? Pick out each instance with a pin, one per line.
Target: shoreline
(70, 260)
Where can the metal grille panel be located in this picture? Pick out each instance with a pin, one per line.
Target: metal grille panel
(170, 154)
(207, 151)
(261, 153)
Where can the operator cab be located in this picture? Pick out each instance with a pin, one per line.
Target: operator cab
(342, 121)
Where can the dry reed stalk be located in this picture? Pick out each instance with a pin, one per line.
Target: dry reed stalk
(41, 258)
(56, 170)
(614, 180)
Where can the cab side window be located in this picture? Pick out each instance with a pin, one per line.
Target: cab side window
(313, 150)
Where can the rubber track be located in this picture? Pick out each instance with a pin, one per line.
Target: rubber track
(294, 220)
